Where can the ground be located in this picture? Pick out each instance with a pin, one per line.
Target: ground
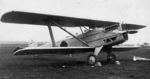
(65, 67)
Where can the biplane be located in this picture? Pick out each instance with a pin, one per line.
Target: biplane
(96, 37)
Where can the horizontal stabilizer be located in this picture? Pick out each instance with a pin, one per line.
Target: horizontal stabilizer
(53, 50)
(44, 19)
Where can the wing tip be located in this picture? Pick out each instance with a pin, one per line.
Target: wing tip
(5, 15)
(8, 16)
(133, 26)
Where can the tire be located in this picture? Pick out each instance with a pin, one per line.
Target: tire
(92, 59)
(111, 58)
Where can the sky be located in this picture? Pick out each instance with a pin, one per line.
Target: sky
(126, 11)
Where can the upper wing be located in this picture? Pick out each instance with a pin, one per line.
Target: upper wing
(43, 19)
(53, 50)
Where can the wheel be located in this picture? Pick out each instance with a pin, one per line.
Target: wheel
(111, 58)
(92, 59)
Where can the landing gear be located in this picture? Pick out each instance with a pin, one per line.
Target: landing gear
(92, 59)
(111, 58)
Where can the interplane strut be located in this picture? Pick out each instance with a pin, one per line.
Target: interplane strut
(52, 36)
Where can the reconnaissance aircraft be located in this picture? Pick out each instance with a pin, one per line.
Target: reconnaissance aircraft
(99, 37)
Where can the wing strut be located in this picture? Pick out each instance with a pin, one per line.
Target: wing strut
(71, 34)
(51, 35)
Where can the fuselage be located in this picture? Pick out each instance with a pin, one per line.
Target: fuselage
(96, 37)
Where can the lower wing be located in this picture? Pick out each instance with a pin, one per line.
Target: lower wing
(124, 48)
(53, 50)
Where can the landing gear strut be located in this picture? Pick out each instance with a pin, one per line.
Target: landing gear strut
(92, 58)
(111, 58)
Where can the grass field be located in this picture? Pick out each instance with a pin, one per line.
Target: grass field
(50, 67)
